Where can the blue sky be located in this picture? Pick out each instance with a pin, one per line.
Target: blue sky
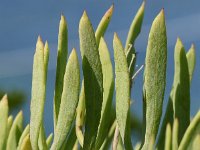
(22, 21)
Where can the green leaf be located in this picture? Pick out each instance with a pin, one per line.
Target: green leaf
(15, 132)
(192, 131)
(49, 140)
(60, 68)
(80, 115)
(71, 139)
(93, 80)
(38, 94)
(42, 139)
(179, 99)
(191, 59)
(168, 137)
(69, 100)
(122, 86)
(133, 33)
(26, 144)
(181, 96)
(9, 125)
(46, 58)
(103, 24)
(154, 78)
(109, 137)
(108, 86)
(196, 143)
(175, 134)
(3, 121)
(24, 134)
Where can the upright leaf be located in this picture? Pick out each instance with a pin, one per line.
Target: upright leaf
(69, 100)
(24, 134)
(168, 138)
(15, 132)
(179, 99)
(108, 86)
(61, 65)
(122, 85)
(49, 140)
(42, 139)
(133, 33)
(38, 94)
(175, 134)
(26, 143)
(192, 131)
(3, 121)
(103, 24)
(191, 59)
(93, 80)
(154, 78)
(80, 115)
(181, 96)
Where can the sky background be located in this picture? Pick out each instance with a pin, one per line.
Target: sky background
(22, 21)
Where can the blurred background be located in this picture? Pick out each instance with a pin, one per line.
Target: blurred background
(22, 21)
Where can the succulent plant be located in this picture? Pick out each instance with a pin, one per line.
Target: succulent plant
(83, 112)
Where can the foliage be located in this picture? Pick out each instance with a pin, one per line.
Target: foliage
(83, 117)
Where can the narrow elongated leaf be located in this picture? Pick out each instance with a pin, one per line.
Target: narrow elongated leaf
(122, 84)
(80, 115)
(108, 86)
(71, 139)
(46, 58)
(93, 80)
(191, 59)
(9, 125)
(109, 137)
(103, 24)
(61, 65)
(3, 121)
(69, 100)
(179, 99)
(38, 94)
(192, 131)
(168, 138)
(49, 140)
(42, 139)
(24, 134)
(175, 134)
(133, 33)
(15, 132)
(154, 78)
(26, 143)
(181, 96)
(196, 143)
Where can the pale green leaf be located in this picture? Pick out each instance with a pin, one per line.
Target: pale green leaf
(154, 78)
(191, 59)
(24, 134)
(108, 86)
(80, 115)
(103, 24)
(26, 143)
(192, 131)
(15, 132)
(3, 121)
(49, 140)
(38, 94)
(133, 33)
(175, 133)
(60, 67)
(122, 86)
(93, 80)
(42, 139)
(168, 137)
(69, 100)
